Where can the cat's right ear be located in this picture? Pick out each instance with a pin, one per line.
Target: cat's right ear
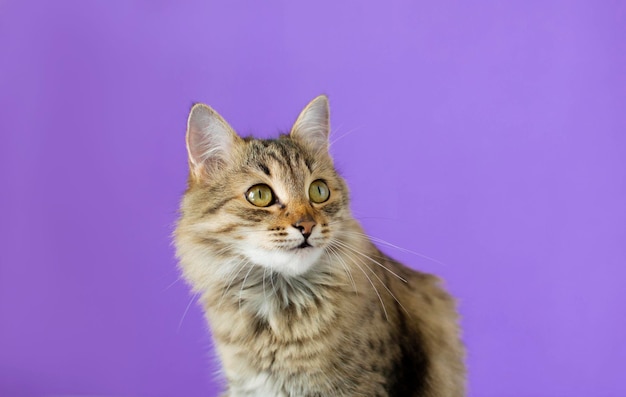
(210, 140)
(313, 125)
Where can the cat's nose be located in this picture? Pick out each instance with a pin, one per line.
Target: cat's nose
(305, 226)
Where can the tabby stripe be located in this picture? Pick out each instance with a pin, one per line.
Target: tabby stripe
(309, 164)
(287, 159)
(332, 209)
(264, 168)
(213, 209)
(227, 229)
(275, 157)
(253, 215)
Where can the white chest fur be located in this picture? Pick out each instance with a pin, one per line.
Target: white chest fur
(259, 385)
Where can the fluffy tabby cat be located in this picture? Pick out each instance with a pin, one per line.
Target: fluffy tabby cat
(299, 301)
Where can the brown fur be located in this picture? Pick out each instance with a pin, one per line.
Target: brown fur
(356, 323)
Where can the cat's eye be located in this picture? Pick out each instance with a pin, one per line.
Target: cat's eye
(260, 195)
(318, 191)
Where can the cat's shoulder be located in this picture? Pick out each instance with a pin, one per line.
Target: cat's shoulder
(422, 291)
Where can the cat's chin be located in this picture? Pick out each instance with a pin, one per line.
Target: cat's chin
(291, 263)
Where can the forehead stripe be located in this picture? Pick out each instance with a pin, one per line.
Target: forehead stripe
(264, 168)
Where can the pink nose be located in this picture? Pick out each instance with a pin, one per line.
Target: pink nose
(305, 226)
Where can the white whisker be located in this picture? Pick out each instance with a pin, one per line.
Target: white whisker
(388, 244)
(264, 277)
(373, 286)
(243, 284)
(331, 143)
(345, 245)
(387, 288)
(180, 323)
(331, 250)
(240, 265)
(172, 284)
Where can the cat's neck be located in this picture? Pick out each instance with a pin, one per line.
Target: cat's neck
(264, 298)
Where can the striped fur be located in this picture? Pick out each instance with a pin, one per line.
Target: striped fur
(336, 318)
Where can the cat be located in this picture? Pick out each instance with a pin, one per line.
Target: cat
(299, 301)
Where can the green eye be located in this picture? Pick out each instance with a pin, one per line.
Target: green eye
(260, 195)
(318, 191)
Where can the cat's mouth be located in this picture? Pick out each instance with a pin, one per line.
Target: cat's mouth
(305, 244)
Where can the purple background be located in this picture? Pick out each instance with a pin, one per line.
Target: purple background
(490, 136)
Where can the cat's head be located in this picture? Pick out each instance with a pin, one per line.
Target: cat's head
(274, 203)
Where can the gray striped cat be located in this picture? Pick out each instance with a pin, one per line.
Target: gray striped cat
(299, 300)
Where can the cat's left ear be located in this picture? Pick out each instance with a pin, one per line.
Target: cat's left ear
(313, 125)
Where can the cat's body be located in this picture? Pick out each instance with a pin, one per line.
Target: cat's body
(299, 301)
